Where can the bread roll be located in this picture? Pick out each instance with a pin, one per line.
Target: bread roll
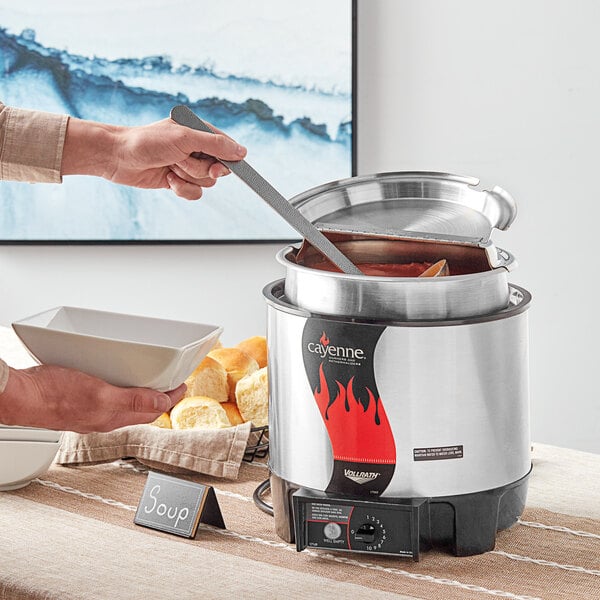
(237, 363)
(252, 397)
(233, 413)
(164, 421)
(209, 379)
(256, 347)
(199, 412)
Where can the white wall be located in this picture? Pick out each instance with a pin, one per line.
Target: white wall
(509, 92)
(505, 91)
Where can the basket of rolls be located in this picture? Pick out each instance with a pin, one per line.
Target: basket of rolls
(221, 421)
(229, 387)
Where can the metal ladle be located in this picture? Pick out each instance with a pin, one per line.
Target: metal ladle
(184, 116)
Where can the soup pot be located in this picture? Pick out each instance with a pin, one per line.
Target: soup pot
(405, 217)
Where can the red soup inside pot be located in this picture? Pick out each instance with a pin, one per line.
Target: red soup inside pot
(383, 257)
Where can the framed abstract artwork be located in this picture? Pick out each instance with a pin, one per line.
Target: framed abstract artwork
(276, 76)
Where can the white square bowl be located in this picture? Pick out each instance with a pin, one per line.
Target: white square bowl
(23, 461)
(125, 350)
(28, 434)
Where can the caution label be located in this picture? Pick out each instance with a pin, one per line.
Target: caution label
(438, 453)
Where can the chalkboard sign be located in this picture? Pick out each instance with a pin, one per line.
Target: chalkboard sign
(177, 506)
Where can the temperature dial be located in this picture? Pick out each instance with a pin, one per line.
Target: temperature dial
(365, 533)
(371, 533)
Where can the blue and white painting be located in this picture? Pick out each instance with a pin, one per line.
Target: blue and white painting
(277, 76)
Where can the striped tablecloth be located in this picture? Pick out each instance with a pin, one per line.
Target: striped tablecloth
(70, 534)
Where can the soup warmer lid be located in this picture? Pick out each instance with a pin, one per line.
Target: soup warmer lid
(417, 205)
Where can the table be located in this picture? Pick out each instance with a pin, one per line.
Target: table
(70, 534)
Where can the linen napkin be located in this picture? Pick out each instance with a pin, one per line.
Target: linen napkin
(216, 452)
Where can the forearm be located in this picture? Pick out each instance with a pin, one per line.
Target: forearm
(90, 148)
(37, 146)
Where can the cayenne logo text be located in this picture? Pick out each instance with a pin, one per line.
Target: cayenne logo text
(361, 476)
(324, 348)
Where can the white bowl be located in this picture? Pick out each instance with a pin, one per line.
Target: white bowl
(125, 350)
(29, 434)
(20, 462)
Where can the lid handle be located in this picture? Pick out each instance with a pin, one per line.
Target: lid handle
(504, 207)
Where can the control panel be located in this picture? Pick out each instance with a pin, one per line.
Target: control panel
(385, 527)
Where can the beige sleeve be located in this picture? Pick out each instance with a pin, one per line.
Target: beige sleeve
(31, 145)
(3, 375)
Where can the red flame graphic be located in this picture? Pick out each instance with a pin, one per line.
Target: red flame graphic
(324, 339)
(358, 432)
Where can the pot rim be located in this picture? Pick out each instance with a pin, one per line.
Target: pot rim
(274, 295)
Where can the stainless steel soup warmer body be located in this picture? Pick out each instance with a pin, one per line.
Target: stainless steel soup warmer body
(399, 408)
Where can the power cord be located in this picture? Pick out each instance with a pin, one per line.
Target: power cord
(259, 492)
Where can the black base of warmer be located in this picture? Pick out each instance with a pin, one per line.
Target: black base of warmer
(464, 525)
